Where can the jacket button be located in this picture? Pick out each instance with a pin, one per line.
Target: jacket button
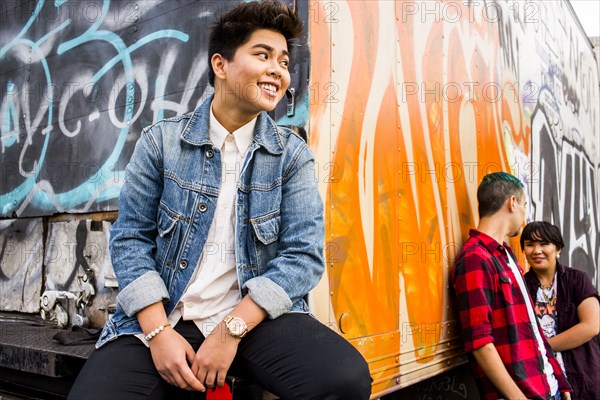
(209, 153)
(202, 207)
(183, 264)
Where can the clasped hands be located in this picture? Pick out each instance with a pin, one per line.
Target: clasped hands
(179, 365)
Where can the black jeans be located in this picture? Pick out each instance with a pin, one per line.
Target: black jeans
(293, 356)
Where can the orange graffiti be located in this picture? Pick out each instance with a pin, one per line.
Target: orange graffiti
(420, 112)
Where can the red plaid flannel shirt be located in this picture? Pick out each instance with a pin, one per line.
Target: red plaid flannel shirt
(493, 310)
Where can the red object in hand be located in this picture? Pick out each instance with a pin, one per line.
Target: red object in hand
(223, 393)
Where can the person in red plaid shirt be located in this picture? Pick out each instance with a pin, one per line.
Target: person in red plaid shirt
(508, 349)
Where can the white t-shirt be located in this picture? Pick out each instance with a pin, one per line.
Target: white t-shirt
(547, 314)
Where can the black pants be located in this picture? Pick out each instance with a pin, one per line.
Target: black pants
(293, 356)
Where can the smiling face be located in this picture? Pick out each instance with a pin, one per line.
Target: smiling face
(257, 76)
(541, 243)
(541, 255)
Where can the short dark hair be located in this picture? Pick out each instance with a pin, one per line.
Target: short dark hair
(542, 231)
(494, 189)
(235, 27)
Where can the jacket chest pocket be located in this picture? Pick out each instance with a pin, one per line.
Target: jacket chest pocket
(506, 288)
(266, 239)
(169, 226)
(266, 228)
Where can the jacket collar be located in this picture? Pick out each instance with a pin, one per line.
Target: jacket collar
(560, 268)
(266, 132)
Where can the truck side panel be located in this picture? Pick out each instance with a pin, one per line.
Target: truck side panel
(407, 104)
(411, 104)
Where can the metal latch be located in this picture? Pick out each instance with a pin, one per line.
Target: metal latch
(291, 102)
(68, 308)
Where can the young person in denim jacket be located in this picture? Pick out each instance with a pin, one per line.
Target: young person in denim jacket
(220, 238)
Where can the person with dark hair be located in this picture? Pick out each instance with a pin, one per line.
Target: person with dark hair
(219, 239)
(235, 27)
(568, 304)
(508, 350)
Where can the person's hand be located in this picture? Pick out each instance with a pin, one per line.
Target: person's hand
(214, 357)
(566, 396)
(170, 354)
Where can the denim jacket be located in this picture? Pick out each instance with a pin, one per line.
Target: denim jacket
(168, 202)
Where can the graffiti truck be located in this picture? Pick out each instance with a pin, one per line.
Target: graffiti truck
(405, 104)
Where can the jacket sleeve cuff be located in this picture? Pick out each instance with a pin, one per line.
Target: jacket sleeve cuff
(269, 296)
(142, 292)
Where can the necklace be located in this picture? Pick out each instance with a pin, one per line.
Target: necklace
(550, 298)
(549, 292)
(549, 287)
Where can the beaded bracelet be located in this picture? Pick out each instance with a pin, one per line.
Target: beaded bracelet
(156, 331)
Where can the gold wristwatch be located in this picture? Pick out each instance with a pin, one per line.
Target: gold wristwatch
(236, 326)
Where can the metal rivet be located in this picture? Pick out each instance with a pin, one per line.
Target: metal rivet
(209, 153)
(183, 264)
(202, 207)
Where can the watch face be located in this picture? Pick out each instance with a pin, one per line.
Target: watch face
(236, 326)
